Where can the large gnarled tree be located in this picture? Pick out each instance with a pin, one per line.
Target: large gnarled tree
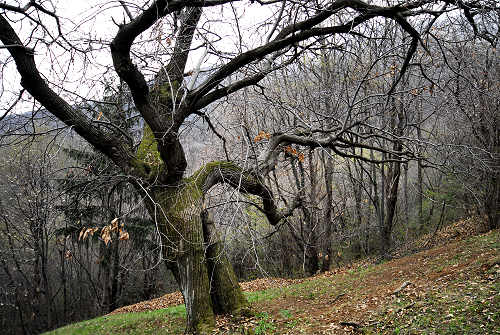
(165, 101)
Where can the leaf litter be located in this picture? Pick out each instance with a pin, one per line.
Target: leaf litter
(352, 299)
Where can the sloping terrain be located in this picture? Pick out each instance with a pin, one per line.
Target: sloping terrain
(453, 288)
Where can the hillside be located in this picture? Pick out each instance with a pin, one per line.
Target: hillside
(453, 288)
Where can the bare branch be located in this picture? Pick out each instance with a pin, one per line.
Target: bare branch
(247, 182)
(32, 81)
(20, 95)
(127, 11)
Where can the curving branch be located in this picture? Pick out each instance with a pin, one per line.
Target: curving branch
(32, 81)
(298, 32)
(245, 182)
(269, 157)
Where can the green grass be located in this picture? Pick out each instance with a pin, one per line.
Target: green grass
(474, 309)
(264, 295)
(265, 324)
(164, 321)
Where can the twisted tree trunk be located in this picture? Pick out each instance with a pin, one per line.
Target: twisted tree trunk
(192, 248)
(177, 212)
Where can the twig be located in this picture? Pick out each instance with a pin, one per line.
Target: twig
(337, 298)
(351, 324)
(402, 287)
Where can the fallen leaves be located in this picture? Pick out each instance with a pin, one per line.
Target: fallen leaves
(379, 297)
(175, 298)
(457, 231)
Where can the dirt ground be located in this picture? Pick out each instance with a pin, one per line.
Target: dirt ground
(362, 295)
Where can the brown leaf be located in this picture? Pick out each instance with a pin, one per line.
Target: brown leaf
(106, 234)
(86, 233)
(81, 234)
(123, 235)
(68, 254)
(114, 224)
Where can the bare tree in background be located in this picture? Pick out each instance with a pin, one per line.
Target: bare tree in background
(473, 93)
(150, 53)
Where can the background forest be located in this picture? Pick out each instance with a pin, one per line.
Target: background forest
(370, 149)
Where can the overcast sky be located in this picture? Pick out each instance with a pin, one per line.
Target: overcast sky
(93, 19)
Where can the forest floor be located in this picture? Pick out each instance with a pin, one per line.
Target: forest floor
(447, 282)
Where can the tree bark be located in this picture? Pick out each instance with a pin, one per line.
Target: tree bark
(420, 178)
(392, 185)
(192, 248)
(225, 292)
(327, 218)
(177, 210)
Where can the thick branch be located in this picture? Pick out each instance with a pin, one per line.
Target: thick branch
(293, 34)
(245, 182)
(33, 82)
(176, 66)
(122, 43)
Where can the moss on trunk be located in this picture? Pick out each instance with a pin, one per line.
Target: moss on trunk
(225, 291)
(203, 272)
(178, 215)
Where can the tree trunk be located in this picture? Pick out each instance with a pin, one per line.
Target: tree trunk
(392, 185)
(191, 274)
(420, 182)
(328, 163)
(407, 204)
(492, 203)
(181, 231)
(356, 181)
(225, 292)
(194, 254)
(392, 198)
(384, 239)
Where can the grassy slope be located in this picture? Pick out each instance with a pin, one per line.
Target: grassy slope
(454, 289)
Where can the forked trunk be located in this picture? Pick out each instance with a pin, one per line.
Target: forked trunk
(205, 277)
